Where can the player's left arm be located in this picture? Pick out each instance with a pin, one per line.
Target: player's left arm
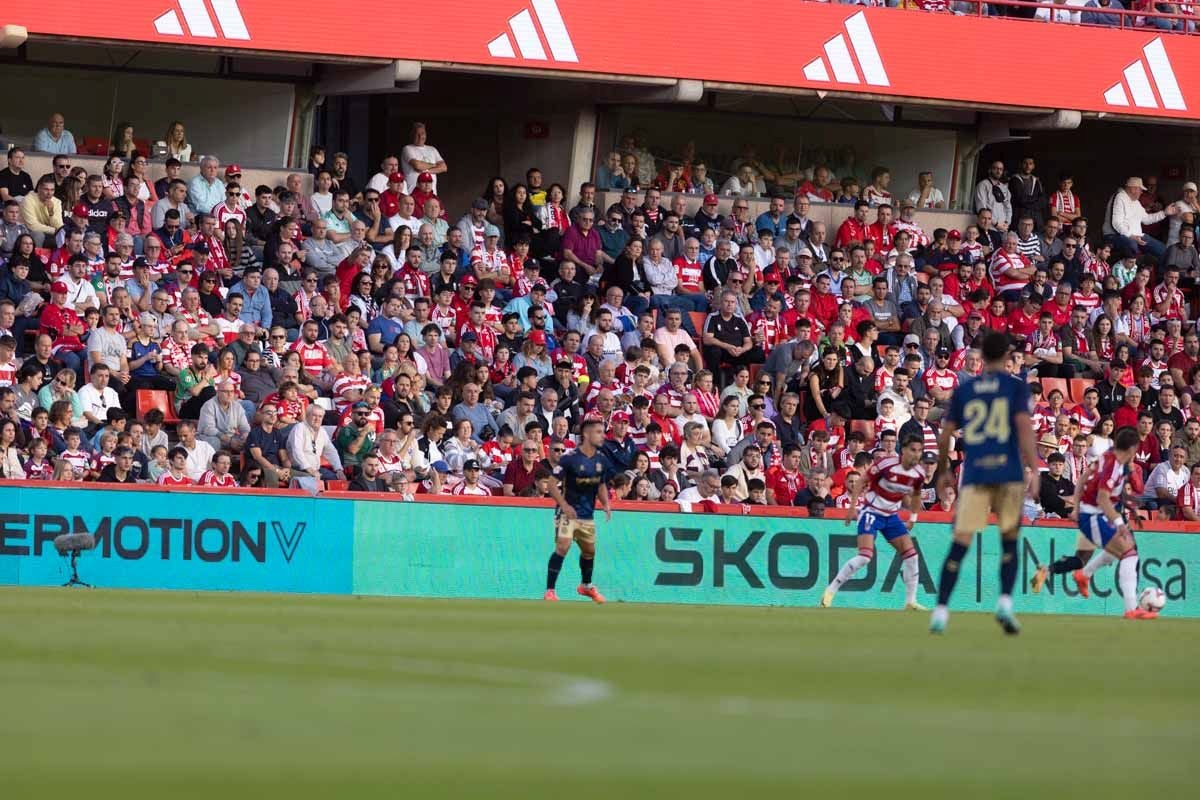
(1026, 443)
(915, 507)
(945, 445)
(603, 494)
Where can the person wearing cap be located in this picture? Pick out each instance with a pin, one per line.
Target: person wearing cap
(1124, 217)
(356, 438)
(708, 217)
(1187, 209)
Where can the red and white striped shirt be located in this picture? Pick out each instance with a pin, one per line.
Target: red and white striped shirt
(1111, 476)
(224, 213)
(889, 483)
(345, 383)
(690, 275)
(1188, 497)
(1162, 294)
(314, 357)
(1001, 267)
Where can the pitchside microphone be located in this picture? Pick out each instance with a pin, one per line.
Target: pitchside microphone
(74, 543)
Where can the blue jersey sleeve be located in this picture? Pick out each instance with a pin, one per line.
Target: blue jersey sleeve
(954, 413)
(1020, 398)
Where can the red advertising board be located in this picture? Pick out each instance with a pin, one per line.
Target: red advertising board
(845, 48)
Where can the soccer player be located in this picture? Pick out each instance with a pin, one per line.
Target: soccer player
(583, 471)
(992, 411)
(1100, 520)
(890, 482)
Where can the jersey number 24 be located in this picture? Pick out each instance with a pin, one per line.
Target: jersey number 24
(984, 421)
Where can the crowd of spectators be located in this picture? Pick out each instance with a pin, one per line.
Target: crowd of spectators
(1145, 13)
(362, 333)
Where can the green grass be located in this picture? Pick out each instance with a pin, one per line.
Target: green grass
(177, 695)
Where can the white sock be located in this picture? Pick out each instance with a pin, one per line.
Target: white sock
(910, 573)
(847, 571)
(1004, 604)
(1127, 579)
(1102, 558)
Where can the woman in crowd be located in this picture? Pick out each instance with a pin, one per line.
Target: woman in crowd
(495, 193)
(122, 144)
(825, 385)
(241, 255)
(10, 454)
(363, 297)
(706, 396)
(533, 354)
(402, 239)
(62, 390)
(727, 427)
(520, 217)
(137, 169)
(740, 388)
(694, 453)
(111, 180)
(177, 144)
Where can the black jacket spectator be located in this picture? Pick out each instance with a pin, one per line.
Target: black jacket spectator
(1052, 493)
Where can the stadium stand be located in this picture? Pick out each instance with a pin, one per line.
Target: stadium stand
(206, 329)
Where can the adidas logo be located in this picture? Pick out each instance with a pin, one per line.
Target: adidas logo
(200, 24)
(524, 27)
(1142, 86)
(838, 57)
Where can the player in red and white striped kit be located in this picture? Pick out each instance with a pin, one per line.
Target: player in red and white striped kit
(890, 483)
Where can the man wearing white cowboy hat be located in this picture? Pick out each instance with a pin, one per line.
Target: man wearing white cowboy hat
(1124, 218)
(1188, 207)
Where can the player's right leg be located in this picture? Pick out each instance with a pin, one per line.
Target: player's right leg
(1099, 534)
(562, 545)
(974, 505)
(585, 537)
(1008, 499)
(868, 524)
(1123, 548)
(910, 569)
(1065, 565)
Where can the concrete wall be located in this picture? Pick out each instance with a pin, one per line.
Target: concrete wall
(247, 121)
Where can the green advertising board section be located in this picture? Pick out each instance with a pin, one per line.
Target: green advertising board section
(429, 550)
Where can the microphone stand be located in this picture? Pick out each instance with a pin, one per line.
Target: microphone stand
(75, 581)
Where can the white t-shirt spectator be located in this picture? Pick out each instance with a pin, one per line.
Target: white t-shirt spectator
(1164, 477)
(97, 402)
(420, 152)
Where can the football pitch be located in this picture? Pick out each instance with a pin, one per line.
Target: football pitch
(189, 695)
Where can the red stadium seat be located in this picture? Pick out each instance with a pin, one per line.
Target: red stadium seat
(698, 318)
(337, 486)
(867, 427)
(156, 398)
(1050, 384)
(93, 146)
(1079, 386)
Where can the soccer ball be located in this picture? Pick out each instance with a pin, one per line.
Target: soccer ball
(1152, 599)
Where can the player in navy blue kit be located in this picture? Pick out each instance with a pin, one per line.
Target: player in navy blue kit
(582, 475)
(992, 411)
